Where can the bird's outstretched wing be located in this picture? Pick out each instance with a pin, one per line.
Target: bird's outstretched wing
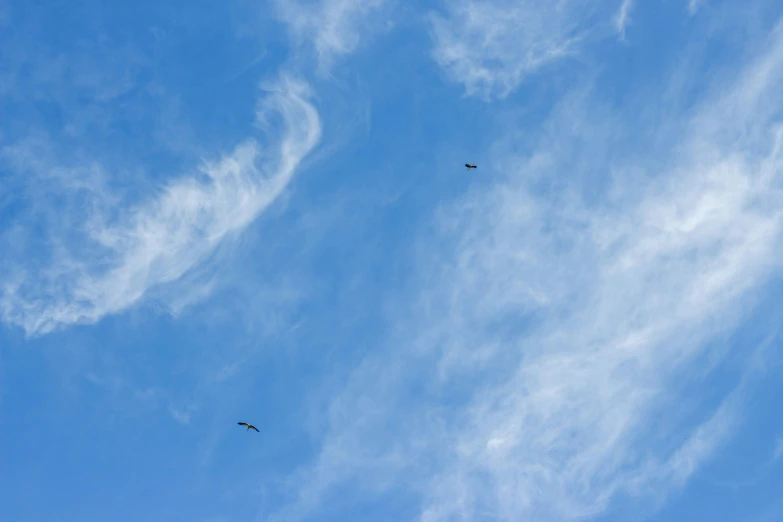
(242, 423)
(252, 427)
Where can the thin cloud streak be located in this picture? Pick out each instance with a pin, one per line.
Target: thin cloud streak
(165, 237)
(652, 285)
(623, 17)
(778, 450)
(491, 47)
(333, 27)
(558, 419)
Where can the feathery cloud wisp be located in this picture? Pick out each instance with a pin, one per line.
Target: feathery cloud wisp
(623, 17)
(333, 26)
(164, 237)
(553, 422)
(633, 294)
(491, 46)
(778, 450)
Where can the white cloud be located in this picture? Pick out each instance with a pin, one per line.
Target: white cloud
(632, 295)
(120, 259)
(184, 414)
(492, 46)
(778, 450)
(334, 27)
(693, 6)
(559, 415)
(623, 17)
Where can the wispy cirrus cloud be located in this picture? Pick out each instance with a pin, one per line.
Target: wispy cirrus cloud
(120, 257)
(182, 415)
(333, 27)
(554, 418)
(648, 284)
(778, 452)
(492, 46)
(103, 260)
(623, 17)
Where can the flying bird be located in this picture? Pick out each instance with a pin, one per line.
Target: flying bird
(249, 426)
(470, 166)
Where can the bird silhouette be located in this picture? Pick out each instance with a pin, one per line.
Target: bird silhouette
(470, 166)
(249, 426)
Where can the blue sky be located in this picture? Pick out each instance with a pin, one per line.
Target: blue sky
(258, 211)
